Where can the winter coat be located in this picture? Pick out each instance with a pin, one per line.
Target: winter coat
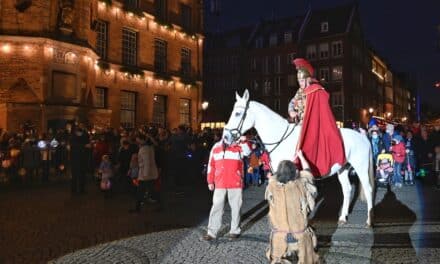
(147, 163)
(225, 165)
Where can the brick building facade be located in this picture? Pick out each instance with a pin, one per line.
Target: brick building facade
(109, 63)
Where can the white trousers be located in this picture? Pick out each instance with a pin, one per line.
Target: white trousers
(218, 203)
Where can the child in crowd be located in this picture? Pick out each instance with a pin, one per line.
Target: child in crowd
(106, 171)
(133, 172)
(398, 151)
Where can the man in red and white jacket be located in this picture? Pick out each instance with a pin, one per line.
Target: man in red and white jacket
(225, 177)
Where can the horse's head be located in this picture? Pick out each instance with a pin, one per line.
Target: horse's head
(240, 120)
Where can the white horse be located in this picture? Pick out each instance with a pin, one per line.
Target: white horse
(280, 139)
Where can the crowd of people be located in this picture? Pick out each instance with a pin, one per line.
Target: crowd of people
(404, 152)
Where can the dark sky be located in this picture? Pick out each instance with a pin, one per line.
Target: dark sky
(403, 32)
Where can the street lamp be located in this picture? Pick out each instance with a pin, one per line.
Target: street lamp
(370, 110)
(205, 105)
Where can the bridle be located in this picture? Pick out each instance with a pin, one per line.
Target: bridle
(236, 132)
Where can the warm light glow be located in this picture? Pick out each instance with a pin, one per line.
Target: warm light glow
(205, 105)
(388, 114)
(6, 48)
(101, 5)
(404, 119)
(115, 10)
(371, 110)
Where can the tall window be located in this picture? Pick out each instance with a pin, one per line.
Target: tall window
(273, 41)
(129, 46)
(291, 80)
(186, 62)
(160, 55)
(266, 65)
(267, 87)
(101, 38)
(185, 111)
(101, 97)
(160, 7)
(277, 62)
(276, 105)
(185, 12)
(277, 85)
(324, 74)
(253, 65)
(159, 109)
(336, 98)
(131, 3)
(128, 109)
(337, 73)
(323, 50)
(337, 49)
(324, 27)
(259, 42)
(311, 52)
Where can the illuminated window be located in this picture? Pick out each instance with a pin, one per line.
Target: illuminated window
(129, 46)
(337, 73)
(128, 109)
(185, 111)
(101, 29)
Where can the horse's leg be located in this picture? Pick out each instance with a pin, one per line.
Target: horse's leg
(346, 191)
(368, 193)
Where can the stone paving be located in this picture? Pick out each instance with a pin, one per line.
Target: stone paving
(405, 231)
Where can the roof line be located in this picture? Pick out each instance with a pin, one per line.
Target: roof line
(350, 21)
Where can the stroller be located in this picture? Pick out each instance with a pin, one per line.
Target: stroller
(384, 171)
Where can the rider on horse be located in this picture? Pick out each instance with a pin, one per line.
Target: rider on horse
(320, 139)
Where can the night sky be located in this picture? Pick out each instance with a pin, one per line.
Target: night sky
(404, 33)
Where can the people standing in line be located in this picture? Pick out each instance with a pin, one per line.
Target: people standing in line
(397, 149)
(291, 196)
(79, 149)
(225, 178)
(147, 173)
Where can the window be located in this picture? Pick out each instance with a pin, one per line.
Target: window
(128, 109)
(290, 58)
(186, 62)
(277, 85)
(291, 80)
(287, 37)
(276, 105)
(337, 73)
(277, 62)
(267, 87)
(324, 74)
(324, 27)
(311, 52)
(129, 46)
(160, 55)
(185, 12)
(336, 98)
(131, 3)
(160, 7)
(101, 38)
(159, 109)
(323, 50)
(184, 111)
(266, 65)
(273, 41)
(254, 84)
(101, 97)
(259, 42)
(337, 49)
(253, 65)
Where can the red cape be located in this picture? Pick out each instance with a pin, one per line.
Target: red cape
(320, 139)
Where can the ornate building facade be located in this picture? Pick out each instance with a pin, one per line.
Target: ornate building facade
(109, 63)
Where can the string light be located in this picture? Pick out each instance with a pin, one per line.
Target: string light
(6, 48)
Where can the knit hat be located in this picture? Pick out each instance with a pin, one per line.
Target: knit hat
(398, 138)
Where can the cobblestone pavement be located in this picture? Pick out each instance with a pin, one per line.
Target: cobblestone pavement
(40, 223)
(406, 231)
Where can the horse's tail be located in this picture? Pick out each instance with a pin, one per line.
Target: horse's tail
(370, 175)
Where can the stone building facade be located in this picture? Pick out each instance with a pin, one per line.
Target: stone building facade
(108, 63)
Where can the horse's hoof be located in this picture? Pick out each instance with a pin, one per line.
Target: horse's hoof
(342, 222)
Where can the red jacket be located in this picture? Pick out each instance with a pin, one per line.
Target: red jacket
(398, 152)
(225, 166)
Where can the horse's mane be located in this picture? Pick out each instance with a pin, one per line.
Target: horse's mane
(266, 108)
